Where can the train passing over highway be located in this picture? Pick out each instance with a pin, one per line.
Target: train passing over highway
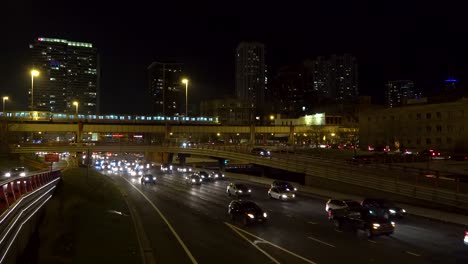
(44, 116)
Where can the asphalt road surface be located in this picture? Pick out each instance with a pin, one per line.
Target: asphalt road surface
(190, 224)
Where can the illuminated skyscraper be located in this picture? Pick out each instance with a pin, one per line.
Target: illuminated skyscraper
(398, 92)
(69, 71)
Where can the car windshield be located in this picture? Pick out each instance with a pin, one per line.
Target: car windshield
(241, 186)
(281, 189)
(352, 204)
(250, 207)
(203, 173)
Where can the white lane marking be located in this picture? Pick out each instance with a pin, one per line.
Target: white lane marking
(254, 244)
(339, 231)
(312, 223)
(411, 253)
(187, 251)
(320, 241)
(271, 244)
(372, 241)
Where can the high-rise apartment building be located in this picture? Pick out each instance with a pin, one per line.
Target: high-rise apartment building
(398, 92)
(343, 71)
(251, 74)
(68, 72)
(165, 86)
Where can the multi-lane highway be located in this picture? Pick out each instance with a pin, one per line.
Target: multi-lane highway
(190, 224)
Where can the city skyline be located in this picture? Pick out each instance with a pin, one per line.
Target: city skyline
(409, 44)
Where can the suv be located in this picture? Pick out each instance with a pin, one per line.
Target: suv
(363, 219)
(383, 208)
(148, 179)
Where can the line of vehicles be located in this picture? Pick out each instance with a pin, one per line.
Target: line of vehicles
(372, 216)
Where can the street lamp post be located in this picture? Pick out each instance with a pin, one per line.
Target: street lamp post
(34, 73)
(75, 103)
(186, 81)
(5, 98)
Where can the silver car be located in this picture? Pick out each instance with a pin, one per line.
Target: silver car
(280, 194)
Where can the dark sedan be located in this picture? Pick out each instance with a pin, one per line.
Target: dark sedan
(246, 211)
(383, 207)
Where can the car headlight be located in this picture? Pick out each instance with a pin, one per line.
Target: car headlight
(295, 189)
(193, 180)
(265, 215)
(284, 196)
(146, 178)
(250, 190)
(203, 177)
(251, 216)
(22, 174)
(293, 195)
(170, 167)
(393, 224)
(375, 226)
(403, 210)
(7, 174)
(154, 178)
(287, 189)
(240, 191)
(392, 211)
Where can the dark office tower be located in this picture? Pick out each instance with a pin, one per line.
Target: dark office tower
(318, 78)
(165, 87)
(290, 91)
(343, 77)
(250, 74)
(68, 72)
(398, 92)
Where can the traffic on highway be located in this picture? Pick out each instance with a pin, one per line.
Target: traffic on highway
(191, 216)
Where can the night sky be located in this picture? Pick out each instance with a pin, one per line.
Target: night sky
(391, 41)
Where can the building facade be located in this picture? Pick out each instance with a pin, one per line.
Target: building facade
(417, 127)
(343, 77)
(399, 92)
(250, 74)
(68, 71)
(166, 88)
(230, 111)
(291, 94)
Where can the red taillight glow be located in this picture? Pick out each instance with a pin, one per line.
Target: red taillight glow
(466, 233)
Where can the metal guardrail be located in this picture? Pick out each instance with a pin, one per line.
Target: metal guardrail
(20, 200)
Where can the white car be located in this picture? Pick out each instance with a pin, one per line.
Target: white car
(238, 189)
(280, 194)
(333, 204)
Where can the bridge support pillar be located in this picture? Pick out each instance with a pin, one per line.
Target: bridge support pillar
(291, 135)
(167, 132)
(252, 135)
(79, 133)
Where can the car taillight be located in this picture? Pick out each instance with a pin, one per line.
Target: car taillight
(466, 233)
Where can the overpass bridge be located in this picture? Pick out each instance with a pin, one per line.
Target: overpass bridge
(165, 128)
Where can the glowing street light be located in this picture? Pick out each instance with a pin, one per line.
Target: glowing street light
(75, 103)
(272, 117)
(186, 81)
(5, 98)
(34, 73)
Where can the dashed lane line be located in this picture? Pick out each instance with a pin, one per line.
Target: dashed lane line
(320, 241)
